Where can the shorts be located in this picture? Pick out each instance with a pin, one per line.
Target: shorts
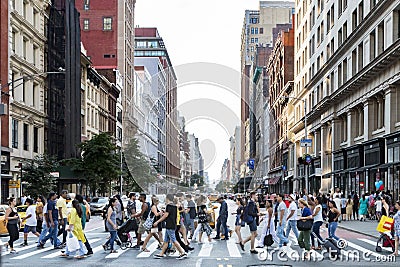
(343, 210)
(205, 228)
(253, 226)
(141, 230)
(31, 229)
(239, 222)
(170, 236)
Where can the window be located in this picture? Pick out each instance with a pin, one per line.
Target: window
(23, 91)
(345, 70)
(24, 9)
(354, 19)
(339, 75)
(252, 49)
(328, 20)
(107, 24)
(332, 46)
(252, 40)
(86, 5)
(255, 30)
(354, 62)
(332, 15)
(381, 38)
(85, 24)
(35, 55)
(14, 133)
(24, 48)
(372, 45)
(254, 20)
(256, 40)
(340, 36)
(345, 31)
(252, 30)
(261, 30)
(34, 92)
(360, 11)
(26, 136)
(13, 41)
(360, 56)
(35, 139)
(35, 18)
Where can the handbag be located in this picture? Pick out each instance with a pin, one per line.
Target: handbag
(148, 224)
(305, 225)
(72, 242)
(268, 240)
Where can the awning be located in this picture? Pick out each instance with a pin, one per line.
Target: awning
(388, 165)
(274, 180)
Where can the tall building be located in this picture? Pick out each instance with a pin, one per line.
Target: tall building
(347, 75)
(4, 78)
(185, 163)
(112, 22)
(150, 45)
(257, 31)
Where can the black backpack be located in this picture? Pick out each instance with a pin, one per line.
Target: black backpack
(268, 240)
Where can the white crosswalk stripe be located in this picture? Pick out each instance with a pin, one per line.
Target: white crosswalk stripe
(206, 250)
(56, 254)
(32, 253)
(233, 249)
(151, 248)
(116, 255)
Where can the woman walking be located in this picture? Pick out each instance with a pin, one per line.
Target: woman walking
(318, 221)
(154, 212)
(356, 202)
(349, 207)
(363, 208)
(39, 212)
(396, 218)
(12, 224)
(333, 217)
(269, 225)
(75, 226)
(239, 223)
(304, 236)
(111, 224)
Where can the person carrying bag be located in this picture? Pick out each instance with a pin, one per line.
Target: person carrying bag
(304, 224)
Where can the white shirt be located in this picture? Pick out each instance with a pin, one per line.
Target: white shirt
(31, 221)
(281, 207)
(378, 205)
(44, 212)
(318, 216)
(293, 207)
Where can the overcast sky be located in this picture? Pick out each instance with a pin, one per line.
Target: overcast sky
(203, 31)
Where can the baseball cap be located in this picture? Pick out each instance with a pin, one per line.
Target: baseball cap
(292, 196)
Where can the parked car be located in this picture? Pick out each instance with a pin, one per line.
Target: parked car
(97, 205)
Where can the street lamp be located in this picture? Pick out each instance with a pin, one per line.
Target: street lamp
(305, 131)
(3, 107)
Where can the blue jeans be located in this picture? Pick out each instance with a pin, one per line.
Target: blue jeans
(280, 232)
(189, 224)
(332, 229)
(62, 230)
(315, 229)
(222, 221)
(292, 225)
(112, 239)
(44, 232)
(52, 234)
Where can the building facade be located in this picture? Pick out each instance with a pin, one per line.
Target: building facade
(150, 45)
(347, 74)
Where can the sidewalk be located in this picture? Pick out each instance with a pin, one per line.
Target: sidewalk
(367, 228)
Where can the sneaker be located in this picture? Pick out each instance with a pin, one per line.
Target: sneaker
(141, 243)
(58, 247)
(104, 247)
(159, 247)
(136, 247)
(217, 238)
(24, 244)
(182, 256)
(158, 256)
(190, 248)
(259, 247)
(253, 251)
(241, 246)
(226, 238)
(13, 251)
(40, 245)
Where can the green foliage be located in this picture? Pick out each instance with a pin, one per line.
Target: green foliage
(223, 186)
(140, 172)
(36, 173)
(99, 164)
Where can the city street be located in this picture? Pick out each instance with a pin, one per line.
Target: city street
(218, 254)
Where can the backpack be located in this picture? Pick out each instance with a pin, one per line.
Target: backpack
(246, 217)
(268, 239)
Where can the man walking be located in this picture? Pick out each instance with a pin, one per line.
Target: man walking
(52, 213)
(170, 216)
(282, 217)
(292, 217)
(190, 210)
(142, 215)
(31, 222)
(62, 213)
(252, 212)
(222, 219)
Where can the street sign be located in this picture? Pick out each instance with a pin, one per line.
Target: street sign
(308, 159)
(283, 168)
(13, 184)
(306, 142)
(251, 164)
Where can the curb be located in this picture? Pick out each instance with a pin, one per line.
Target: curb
(357, 231)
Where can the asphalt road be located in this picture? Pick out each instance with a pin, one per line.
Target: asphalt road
(360, 252)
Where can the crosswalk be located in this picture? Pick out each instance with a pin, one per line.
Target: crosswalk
(215, 249)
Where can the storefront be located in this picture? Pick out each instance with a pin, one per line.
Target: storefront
(354, 170)
(374, 156)
(314, 177)
(392, 165)
(339, 165)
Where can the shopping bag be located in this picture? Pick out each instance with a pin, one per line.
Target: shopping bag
(72, 242)
(385, 224)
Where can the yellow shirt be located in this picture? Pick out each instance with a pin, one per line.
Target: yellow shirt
(62, 203)
(76, 221)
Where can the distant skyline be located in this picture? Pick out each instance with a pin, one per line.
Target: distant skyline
(203, 31)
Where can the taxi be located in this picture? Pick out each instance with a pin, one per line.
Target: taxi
(3, 223)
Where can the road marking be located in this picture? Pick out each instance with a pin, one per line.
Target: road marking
(116, 255)
(38, 251)
(220, 265)
(97, 249)
(152, 248)
(229, 265)
(87, 231)
(55, 254)
(233, 250)
(19, 249)
(206, 250)
(364, 250)
(373, 243)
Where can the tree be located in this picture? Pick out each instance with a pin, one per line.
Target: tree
(142, 171)
(99, 164)
(223, 186)
(37, 175)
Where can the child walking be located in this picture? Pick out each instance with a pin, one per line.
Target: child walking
(204, 226)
